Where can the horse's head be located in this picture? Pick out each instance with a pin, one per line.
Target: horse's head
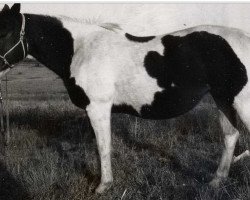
(13, 46)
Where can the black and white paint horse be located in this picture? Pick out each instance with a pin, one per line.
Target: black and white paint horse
(156, 77)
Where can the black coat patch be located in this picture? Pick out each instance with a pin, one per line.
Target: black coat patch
(138, 39)
(52, 45)
(193, 65)
(76, 93)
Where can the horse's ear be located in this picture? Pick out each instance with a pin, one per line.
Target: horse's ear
(16, 8)
(6, 7)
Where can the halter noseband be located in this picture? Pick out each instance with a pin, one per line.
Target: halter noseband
(22, 33)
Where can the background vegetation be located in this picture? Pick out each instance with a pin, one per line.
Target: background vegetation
(52, 152)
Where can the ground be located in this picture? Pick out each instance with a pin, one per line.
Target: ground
(52, 154)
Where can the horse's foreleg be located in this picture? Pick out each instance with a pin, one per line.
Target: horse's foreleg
(231, 135)
(99, 114)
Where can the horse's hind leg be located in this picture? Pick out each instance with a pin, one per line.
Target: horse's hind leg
(242, 105)
(231, 134)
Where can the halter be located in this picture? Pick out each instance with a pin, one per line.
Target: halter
(9, 65)
(22, 33)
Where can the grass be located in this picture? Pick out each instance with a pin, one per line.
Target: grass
(52, 154)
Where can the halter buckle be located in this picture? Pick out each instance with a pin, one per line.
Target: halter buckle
(5, 61)
(22, 33)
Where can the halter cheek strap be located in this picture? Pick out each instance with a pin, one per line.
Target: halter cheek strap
(22, 33)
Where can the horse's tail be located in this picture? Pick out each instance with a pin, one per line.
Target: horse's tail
(112, 27)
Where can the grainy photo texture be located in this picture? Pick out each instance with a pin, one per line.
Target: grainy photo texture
(124, 101)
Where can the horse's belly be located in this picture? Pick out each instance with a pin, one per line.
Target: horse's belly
(173, 102)
(166, 104)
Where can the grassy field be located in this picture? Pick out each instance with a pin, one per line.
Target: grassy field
(52, 154)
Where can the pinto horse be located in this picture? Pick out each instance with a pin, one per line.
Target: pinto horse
(158, 77)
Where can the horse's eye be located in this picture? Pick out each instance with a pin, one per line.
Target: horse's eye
(3, 30)
(3, 34)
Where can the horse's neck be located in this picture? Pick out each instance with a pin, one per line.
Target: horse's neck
(50, 43)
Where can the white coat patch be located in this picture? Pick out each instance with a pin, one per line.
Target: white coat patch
(109, 67)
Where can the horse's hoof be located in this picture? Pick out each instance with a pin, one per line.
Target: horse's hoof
(102, 187)
(216, 182)
(241, 156)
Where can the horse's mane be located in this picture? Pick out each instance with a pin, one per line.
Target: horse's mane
(111, 26)
(94, 21)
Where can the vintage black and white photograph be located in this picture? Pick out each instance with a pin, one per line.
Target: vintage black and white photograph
(124, 101)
